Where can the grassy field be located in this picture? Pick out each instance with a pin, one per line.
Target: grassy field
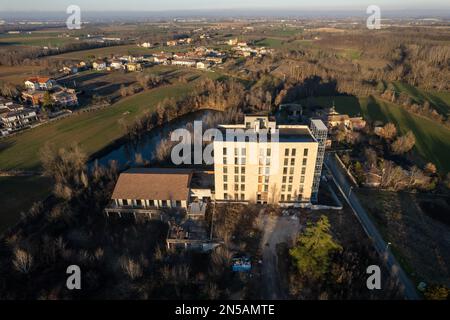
(17, 194)
(51, 39)
(17, 74)
(35, 41)
(284, 44)
(271, 43)
(439, 100)
(92, 130)
(432, 139)
(107, 51)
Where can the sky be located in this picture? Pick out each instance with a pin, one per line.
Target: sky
(164, 5)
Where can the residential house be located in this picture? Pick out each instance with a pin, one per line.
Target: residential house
(39, 83)
(232, 42)
(185, 41)
(14, 117)
(185, 63)
(82, 65)
(145, 45)
(161, 59)
(132, 67)
(116, 65)
(33, 97)
(204, 65)
(335, 119)
(65, 98)
(215, 59)
(99, 65)
(70, 69)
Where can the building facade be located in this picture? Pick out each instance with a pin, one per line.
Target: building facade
(264, 162)
(320, 133)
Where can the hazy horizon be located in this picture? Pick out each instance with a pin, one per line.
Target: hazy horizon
(217, 13)
(167, 5)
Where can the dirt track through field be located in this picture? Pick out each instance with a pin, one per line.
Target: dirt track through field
(276, 230)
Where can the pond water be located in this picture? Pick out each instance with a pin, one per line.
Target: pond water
(125, 155)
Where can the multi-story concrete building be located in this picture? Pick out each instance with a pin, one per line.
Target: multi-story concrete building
(264, 162)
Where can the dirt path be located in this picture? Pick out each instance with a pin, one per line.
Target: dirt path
(276, 230)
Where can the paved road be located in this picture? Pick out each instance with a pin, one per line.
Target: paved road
(340, 178)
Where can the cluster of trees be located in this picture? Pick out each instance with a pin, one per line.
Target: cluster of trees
(416, 56)
(370, 61)
(396, 178)
(208, 94)
(321, 268)
(8, 90)
(149, 80)
(388, 175)
(66, 168)
(399, 145)
(383, 162)
(424, 110)
(119, 258)
(404, 143)
(30, 55)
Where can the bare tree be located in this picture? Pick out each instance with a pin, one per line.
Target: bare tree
(67, 167)
(404, 144)
(388, 132)
(22, 261)
(131, 268)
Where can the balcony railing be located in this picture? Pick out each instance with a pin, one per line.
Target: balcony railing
(113, 207)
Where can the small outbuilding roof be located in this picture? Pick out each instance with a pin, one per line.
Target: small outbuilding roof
(153, 184)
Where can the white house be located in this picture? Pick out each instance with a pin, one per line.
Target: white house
(116, 65)
(39, 83)
(99, 65)
(185, 63)
(204, 65)
(161, 59)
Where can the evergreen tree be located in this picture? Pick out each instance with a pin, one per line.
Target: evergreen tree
(312, 254)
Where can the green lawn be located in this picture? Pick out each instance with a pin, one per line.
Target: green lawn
(271, 43)
(35, 40)
(17, 194)
(432, 139)
(439, 100)
(92, 130)
(117, 50)
(285, 44)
